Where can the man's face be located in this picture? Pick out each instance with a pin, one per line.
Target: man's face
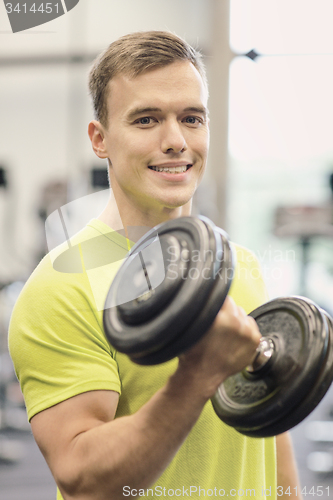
(157, 137)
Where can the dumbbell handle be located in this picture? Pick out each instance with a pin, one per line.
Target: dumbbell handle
(264, 352)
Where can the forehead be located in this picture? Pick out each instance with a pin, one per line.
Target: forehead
(178, 84)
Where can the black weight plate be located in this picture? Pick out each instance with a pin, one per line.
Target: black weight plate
(149, 270)
(315, 394)
(157, 328)
(258, 404)
(204, 318)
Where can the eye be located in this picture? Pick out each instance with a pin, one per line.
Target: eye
(145, 120)
(193, 120)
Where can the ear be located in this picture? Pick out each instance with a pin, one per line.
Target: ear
(96, 135)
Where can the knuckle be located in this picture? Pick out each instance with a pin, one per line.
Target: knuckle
(241, 312)
(235, 323)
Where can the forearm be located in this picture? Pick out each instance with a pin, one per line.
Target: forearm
(133, 450)
(287, 475)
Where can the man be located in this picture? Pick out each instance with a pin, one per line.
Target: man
(107, 427)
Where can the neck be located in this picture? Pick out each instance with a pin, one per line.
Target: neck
(123, 215)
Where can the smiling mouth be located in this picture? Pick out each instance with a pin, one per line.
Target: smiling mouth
(172, 170)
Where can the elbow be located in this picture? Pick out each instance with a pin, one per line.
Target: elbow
(71, 482)
(80, 484)
(69, 488)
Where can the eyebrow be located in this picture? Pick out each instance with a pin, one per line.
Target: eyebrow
(198, 109)
(140, 111)
(148, 109)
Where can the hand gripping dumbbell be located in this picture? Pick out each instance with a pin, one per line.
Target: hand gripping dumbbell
(166, 296)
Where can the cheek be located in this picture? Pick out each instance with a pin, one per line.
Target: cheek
(201, 145)
(126, 151)
(139, 146)
(198, 140)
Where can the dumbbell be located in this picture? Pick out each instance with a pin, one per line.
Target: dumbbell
(166, 296)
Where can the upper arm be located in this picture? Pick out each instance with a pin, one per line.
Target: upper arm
(56, 429)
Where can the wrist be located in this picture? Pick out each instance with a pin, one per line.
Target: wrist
(189, 381)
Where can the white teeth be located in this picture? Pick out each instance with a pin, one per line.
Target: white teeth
(171, 170)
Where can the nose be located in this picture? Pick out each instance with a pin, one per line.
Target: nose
(173, 140)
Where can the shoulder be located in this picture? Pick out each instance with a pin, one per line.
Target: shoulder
(56, 336)
(244, 255)
(65, 294)
(67, 271)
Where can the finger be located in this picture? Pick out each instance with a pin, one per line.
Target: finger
(241, 313)
(255, 329)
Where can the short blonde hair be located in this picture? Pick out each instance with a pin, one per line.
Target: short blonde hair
(134, 54)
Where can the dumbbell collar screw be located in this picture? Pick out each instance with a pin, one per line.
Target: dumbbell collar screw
(264, 353)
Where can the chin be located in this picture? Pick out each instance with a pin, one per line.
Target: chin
(177, 201)
(174, 204)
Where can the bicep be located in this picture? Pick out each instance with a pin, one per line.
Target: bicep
(56, 429)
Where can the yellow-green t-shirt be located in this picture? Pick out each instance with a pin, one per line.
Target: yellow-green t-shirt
(59, 350)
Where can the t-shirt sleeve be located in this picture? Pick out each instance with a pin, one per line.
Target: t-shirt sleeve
(56, 340)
